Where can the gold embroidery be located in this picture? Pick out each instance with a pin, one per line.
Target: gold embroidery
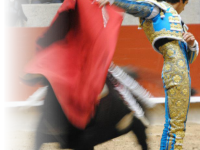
(181, 63)
(162, 15)
(177, 90)
(174, 19)
(173, 12)
(152, 34)
(170, 52)
(175, 26)
(167, 67)
(134, 8)
(172, 91)
(177, 78)
(175, 31)
(185, 91)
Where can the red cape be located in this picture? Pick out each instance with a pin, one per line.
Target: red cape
(74, 55)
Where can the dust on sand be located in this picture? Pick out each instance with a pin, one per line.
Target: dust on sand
(23, 140)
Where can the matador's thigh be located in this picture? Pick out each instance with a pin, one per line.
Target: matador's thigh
(176, 80)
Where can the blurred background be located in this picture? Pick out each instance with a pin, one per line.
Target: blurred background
(26, 20)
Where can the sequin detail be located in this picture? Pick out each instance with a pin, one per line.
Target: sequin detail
(176, 79)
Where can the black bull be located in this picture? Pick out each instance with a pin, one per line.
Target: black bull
(54, 126)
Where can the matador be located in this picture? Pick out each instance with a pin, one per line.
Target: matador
(168, 35)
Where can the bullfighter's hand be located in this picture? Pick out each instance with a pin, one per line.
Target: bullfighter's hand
(102, 2)
(189, 38)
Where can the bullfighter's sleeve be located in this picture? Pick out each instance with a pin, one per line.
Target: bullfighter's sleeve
(137, 8)
(193, 52)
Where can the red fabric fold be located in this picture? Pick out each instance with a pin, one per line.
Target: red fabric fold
(76, 65)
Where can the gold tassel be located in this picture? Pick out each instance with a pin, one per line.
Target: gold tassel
(162, 15)
(140, 24)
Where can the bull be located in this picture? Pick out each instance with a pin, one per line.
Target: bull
(112, 118)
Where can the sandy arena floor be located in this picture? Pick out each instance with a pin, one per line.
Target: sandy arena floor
(23, 140)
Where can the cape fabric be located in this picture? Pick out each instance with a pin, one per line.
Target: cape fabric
(74, 55)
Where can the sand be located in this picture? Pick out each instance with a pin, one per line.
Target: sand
(23, 140)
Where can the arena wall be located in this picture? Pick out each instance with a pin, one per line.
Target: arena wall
(133, 49)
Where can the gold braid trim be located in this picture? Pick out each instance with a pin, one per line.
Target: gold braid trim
(152, 35)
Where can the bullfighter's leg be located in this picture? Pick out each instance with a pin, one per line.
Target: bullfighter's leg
(177, 85)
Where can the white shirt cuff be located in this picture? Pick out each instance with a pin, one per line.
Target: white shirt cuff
(195, 47)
